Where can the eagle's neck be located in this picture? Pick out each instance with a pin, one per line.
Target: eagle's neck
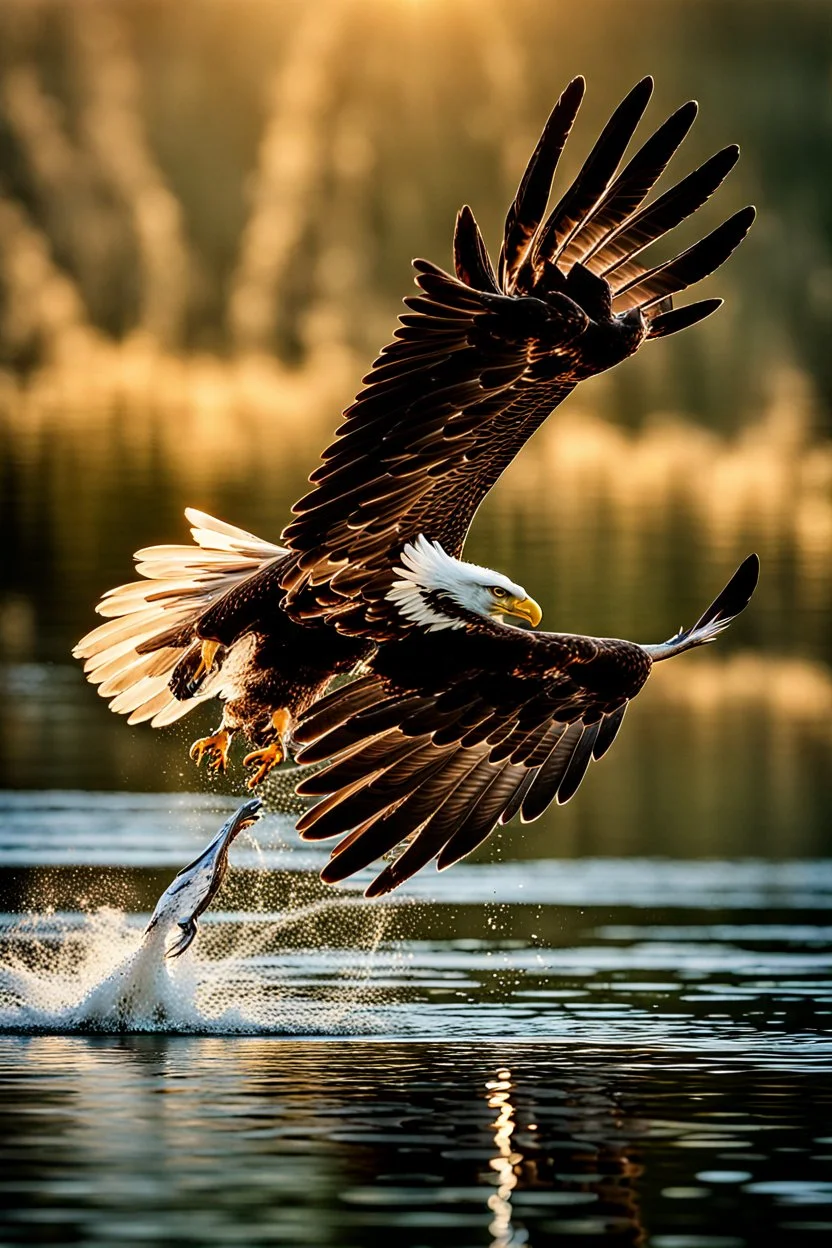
(432, 588)
(430, 607)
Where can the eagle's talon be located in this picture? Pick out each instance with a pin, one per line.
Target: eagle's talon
(264, 761)
(215, 747)
(207, 655)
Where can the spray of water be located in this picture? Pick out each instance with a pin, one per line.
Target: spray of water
(286, 956)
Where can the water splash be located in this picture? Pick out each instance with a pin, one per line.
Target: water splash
(99, 971)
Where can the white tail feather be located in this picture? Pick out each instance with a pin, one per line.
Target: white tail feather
(181, 583)
(727, 605)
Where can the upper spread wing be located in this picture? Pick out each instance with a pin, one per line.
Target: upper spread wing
(451, 736)
(482, 357)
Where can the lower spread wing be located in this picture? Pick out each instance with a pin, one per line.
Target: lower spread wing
(493, 725)
(482, 357)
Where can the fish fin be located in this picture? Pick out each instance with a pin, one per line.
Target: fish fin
(189, 930)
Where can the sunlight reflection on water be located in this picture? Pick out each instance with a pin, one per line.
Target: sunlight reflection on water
(444, 1144)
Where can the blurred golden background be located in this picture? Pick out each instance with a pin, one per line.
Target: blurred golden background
(207, 213)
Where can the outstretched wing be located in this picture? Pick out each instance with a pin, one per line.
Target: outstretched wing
(448, 738)
(481, 358)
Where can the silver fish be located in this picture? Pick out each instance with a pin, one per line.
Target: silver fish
(196, 885)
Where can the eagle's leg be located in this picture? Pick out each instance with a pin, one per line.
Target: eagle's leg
(264, 760)
(216, 747)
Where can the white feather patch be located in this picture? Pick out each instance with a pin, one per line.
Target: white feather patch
(426, 568)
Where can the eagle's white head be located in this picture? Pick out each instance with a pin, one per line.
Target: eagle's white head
(436, 591)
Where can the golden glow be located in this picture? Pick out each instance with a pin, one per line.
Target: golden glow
(788, 691)
(773, 477)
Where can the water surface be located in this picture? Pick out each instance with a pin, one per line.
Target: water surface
(588, 1049)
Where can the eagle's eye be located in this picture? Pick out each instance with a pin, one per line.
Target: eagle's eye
(499, 592)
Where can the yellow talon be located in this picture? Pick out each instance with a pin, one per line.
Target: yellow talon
(263, 760)
(207, 654)
(216, 747)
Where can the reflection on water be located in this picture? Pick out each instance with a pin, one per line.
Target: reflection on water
(618, 531)
(715, 954)
(618, 534)
(717, 757)
(202, 1141)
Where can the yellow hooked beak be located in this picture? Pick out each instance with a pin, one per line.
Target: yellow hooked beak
(525, 608)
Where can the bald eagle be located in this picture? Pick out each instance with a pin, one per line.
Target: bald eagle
(479, 360)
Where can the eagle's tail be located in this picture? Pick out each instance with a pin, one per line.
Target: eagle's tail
(152, 623)
(734, 598)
